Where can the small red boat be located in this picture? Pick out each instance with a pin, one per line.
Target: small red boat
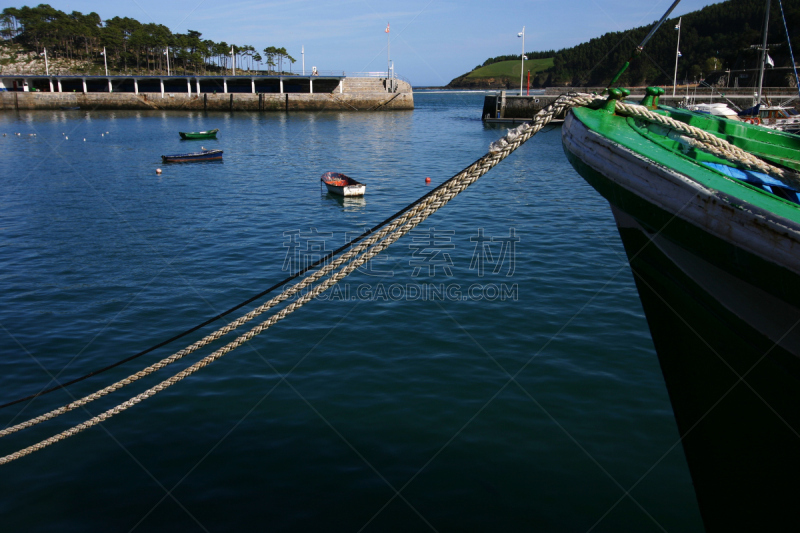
(342, 185)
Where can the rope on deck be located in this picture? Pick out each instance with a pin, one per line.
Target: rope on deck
(348, 262)
(701, 139)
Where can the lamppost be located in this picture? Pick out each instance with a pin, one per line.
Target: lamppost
(522, 59)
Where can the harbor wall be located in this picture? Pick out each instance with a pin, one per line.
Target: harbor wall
(356, 95)
(506, 105)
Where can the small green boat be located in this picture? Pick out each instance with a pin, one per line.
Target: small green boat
(714, 248)
(210, 134)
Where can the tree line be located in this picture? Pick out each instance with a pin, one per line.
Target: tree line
(130, 46)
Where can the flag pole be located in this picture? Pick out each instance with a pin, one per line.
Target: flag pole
(677, 55)
(763, 57)
(522, 65)
(388, 52)
(105, 61)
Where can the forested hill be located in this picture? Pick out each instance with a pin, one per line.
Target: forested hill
(130, 45)
(714, 39)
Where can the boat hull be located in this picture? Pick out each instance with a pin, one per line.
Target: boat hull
(197, 135)
(347, 190)
(210, 155)
(720, 288)
(342, 185)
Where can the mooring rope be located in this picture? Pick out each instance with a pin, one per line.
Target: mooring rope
(349, 261)
(695, 137)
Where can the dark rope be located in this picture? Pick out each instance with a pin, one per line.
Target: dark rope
(238, 306)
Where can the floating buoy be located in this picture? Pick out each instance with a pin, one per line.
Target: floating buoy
(158, 171)
(427, 180)
(84, 139)
(66, 138)
(106, 132)
(102, 135)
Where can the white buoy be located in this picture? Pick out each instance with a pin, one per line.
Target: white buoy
(158, 171)
(84, 139)
(66, 138)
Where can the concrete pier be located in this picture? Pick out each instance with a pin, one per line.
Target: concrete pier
(233, 93)
(508, 107)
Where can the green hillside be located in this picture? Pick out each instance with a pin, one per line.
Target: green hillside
(502, 73)
(510, 69)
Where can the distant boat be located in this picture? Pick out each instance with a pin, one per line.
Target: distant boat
(342, 185)
(205, 155)
(775, 117)
(210, 134)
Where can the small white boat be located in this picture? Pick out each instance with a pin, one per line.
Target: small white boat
(716, 109)
(342, 185)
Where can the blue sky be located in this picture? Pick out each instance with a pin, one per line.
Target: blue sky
(432, 41)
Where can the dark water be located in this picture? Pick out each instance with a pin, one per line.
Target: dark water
(446, 387)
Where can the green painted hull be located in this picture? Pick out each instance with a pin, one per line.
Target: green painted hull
(723, 309)
(192, 135)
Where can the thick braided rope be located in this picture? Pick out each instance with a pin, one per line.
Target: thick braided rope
(711, 143)
(542, 117)
(392, 233)
(286, 294)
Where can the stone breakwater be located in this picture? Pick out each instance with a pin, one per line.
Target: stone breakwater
(210, 102)
(353, 98)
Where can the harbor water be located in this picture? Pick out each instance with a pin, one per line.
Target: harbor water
(491, 371)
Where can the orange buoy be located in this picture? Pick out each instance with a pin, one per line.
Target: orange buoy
(427, 180)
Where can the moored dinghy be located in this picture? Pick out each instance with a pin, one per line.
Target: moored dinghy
(189, 135)
(342, 185)
(204, 155)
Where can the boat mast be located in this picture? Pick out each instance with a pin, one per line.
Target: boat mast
(763, 57)
(638, 50)
(785, 27)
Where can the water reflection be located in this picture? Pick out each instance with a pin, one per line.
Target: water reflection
(350, 204)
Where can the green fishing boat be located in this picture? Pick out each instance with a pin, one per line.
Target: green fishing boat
(713, 241)
(210, 134)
